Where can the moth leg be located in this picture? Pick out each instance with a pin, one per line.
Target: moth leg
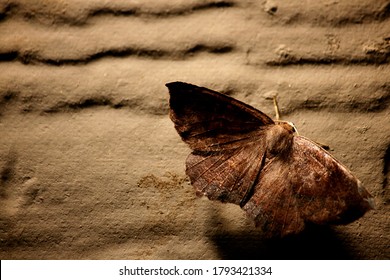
(322, 145)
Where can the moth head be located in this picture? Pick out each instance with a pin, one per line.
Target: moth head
(289, 126)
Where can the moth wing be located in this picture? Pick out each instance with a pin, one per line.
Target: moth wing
(326, 191)
(273, 205)
(228, 175)
(211, 121)
(305, 185)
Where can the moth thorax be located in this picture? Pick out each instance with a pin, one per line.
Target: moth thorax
(279, 138)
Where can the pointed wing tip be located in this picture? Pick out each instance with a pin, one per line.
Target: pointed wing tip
(371, 203)
(172, 84)
(175, 86)
(367, 197)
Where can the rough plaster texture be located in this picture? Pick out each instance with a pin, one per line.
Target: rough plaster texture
(91, 166)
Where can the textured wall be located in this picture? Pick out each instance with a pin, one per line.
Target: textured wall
(91, 166)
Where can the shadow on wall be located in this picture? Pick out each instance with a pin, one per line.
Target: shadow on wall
(315, 243)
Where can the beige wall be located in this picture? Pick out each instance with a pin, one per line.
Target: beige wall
(91, 166)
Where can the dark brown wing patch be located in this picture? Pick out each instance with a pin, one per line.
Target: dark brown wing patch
(208, 120)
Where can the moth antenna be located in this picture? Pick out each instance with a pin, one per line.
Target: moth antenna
(276, 106)
(277, 115)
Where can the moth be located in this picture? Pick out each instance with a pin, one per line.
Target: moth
(240, 155)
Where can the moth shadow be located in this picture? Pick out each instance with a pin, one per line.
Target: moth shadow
(315, 243)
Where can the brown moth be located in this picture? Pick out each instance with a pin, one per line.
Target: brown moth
(240, 155)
